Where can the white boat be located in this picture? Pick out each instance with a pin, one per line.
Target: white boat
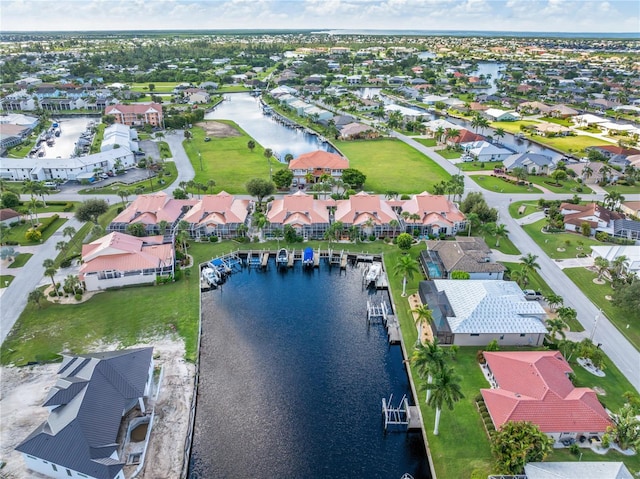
(282, 258)
(211, 276)
(373, 272)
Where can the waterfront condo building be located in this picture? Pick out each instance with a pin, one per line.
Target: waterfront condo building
(137, 114)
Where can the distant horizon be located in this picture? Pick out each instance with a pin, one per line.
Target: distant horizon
(517, 16)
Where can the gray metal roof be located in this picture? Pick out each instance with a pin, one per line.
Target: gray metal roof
(91, 396)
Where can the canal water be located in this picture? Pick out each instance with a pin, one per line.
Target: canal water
(292, 380)
(245, 110)
(70, 131)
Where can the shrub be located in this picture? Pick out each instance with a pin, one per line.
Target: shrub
(46, 222)
(78, 296)
(480, 357)
(33, 235)
(68, 207)
(52, 294)
(574, 449)
(602, 236)
(213, 239)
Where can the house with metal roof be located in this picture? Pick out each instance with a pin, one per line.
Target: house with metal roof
(534, 386)
(87, 405)
(576, 470)
(532, 162)
(476, 312)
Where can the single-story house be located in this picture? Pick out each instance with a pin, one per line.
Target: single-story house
(588, 119)
(563, 111)
(535, 386)
(532, 162)
(434, 125)
(80, 438)
(485, 151)
(468, 254)
(610, 253)
(598, 217)
(118, 259)
(437, 215)
(9, 216)
(357, 130)
(576, 470)
(317, 163)
(533, 107)
(476, 312)
(495, 114)
(308, 217)
(408, 114)
(631, 208)
(464, 136)
(551, 129)
(370, 214)
(217, 215)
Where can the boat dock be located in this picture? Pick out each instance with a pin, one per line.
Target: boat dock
(382, 314)
(401, 417)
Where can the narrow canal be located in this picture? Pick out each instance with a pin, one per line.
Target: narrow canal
(245, 111)
(292, 378)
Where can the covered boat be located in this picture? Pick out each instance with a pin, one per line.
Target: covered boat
(307, 257)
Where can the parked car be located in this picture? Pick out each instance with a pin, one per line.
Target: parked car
(532, 295)
(50, 184)
(206, 138)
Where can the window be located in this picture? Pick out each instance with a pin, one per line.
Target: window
(501, 337)
(69, 473)
(474, 334)
(522, 335)
(54, 467)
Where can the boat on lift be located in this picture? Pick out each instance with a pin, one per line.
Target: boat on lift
(282, 258)
(307, 257)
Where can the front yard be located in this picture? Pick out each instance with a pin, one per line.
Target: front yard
(560, 245)
(493, 183)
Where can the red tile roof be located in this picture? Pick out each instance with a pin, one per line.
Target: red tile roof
(151, 209)
(360, 208)
(319, 159)
(533, 386)
(137, 108)
(466, 136)
(220, 209)
(8, 213)
(433, 208)
(298, 209)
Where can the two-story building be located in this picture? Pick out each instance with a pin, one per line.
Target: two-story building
(137, 114)
(310, 167)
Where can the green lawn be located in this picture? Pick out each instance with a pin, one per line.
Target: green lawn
(391, 165)
(5, 280)
(430, 142)
(20, 260)
(494, 183)
(570, 144)
(449, 154)
(625, 190)
(597, 293)
(568, 185)
(478, 166)
(231, 89)
(550, 242)
(530, 207)
(558, 121)
(17, 232)
(228, 161)
(97, 139)
(160, 87)
(506, 246)
(512, 126)
(171, 173)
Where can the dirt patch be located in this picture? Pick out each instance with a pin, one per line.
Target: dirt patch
(218, 130)
(23, 390)
(599, 391)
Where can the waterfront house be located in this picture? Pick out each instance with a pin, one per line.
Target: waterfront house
(217, 215)
(533, 107)
(468, 254)
(495, 114)
(464, 136)
(370, 214)
(576, 470)
(151, 210)
(437, 215)
(137, 114)
(533, 163)
(598, 217)
(563, 111)
(118, 260)
(476, 312)
(317, 164)
(485, 151)
(534, 386)
(307, 216)
(95, 394)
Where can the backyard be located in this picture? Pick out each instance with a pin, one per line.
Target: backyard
(391, 165)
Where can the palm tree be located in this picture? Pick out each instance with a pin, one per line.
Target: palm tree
(520, 277)
(61, 246)
(500, 231)
(211, 183)
(162, 226)
(428, 358)
(566, 314)
(50, 270)
(587, 173)
(500, 132)
(554, 300)
(438, 134)
(556, 327)
(473, 220)
(617, 266)
(36, 296)
(529, 263)
(601, 264)
(407, 267)
(122, 194)
(446, 392)
(72, 282)
(394, 224)
(604, 171)
(423, 317)
(182, 238)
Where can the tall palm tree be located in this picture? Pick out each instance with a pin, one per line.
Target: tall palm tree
(211, 183)
(500, 133)
(424, 316)
(407, 267)
(529, 263)
(36, 296)
(604, 172)
(601, 264)
(72, 282)
(446, 392)
(618, 266)
(554, 300)
(473, 220)
(520, 277)
(500, 231)
(428, 359)
(587, 173)
(50, 270)
(566, 314)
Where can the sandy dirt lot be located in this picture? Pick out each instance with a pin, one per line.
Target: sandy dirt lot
(23, 390)
(216, 129)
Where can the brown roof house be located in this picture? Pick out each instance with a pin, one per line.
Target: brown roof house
(217, 215)
(9, 216)
(118, 260)
(468, 254)
(137, 114)
(432, 215)
(308, 217)
(598, 217)
(317, 163)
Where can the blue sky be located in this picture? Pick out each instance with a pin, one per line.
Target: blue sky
(512, 15)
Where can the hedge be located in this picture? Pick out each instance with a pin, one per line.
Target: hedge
(46, 222)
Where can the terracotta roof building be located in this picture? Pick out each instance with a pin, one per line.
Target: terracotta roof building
(318, 163)
(437, 215)
(118, 259)
(137, 114)
(370, 214)
(534, 386)
(308, 217)
(217, 215)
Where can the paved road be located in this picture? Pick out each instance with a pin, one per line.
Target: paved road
(14, 299)
(614, 344)
(185, 170)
